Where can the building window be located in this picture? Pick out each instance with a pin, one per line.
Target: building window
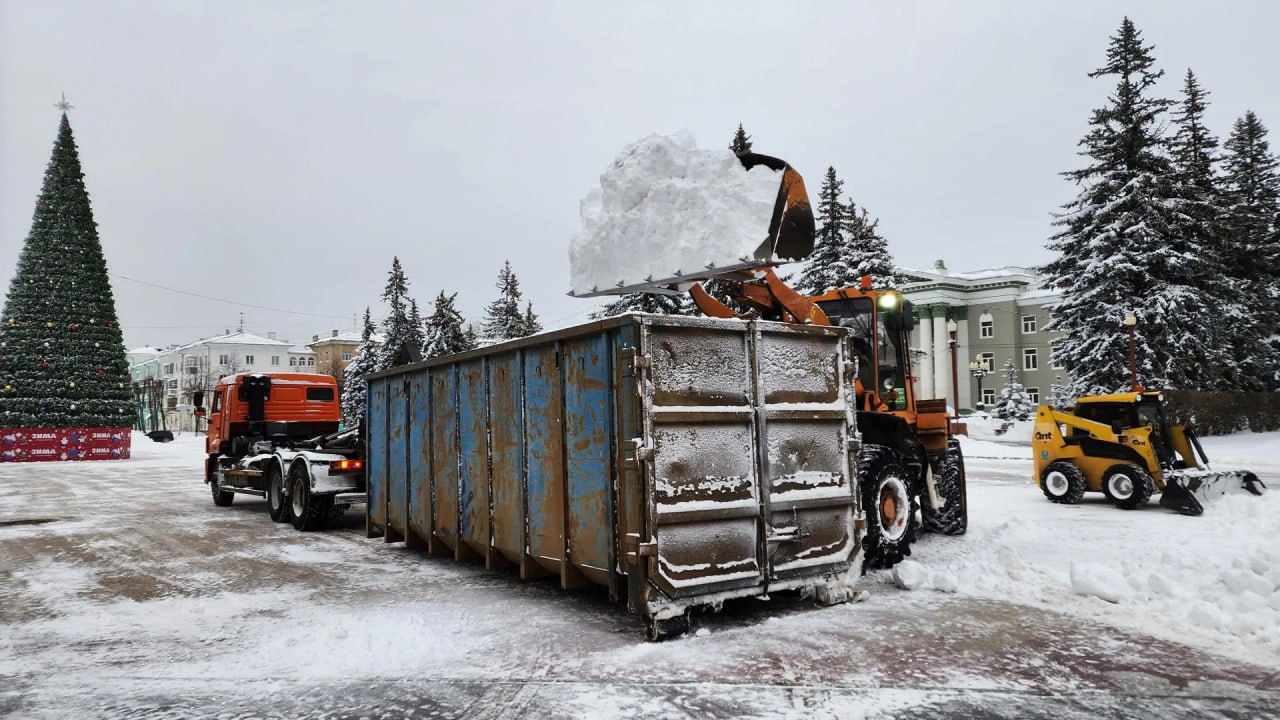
(988, 397)
(1055, 361)
(1028, 324)
(1034, 394)
(986, 326)
(168, 368)
(293, 362)
(173, 384)
(248, 359)
(1030, 359)
(275, 360)
(346, 357)
(311, 361)
(988, 361)
(224, 360)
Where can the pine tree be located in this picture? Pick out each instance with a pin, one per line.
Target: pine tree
(397, 332)
(355, 385)
(503, 317)
(741, 141)
(1060, 397)
(416, 329)
(1014, 402)
(818, 274)
(530, 324)
(864, 252)
(445, 334)
(652, 303)
(62, 358)
(1251, 189)
(1116, 248)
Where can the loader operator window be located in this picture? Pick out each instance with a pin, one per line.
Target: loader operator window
(880, 345)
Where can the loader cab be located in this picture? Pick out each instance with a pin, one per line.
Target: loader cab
(1127, 411)
(282, 407)
(881, 322)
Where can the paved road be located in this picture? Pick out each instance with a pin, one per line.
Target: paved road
(125, 593)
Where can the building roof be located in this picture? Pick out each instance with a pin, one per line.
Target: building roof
(301, 350)
(350, 337)
(235, 338)
(148, 350)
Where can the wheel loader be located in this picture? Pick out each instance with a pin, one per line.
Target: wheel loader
(1124, 447)
(911, 469)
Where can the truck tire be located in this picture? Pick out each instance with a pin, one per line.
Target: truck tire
(1062, 483)
(889, 502)
(308, 511)
(221, 498)
(1127, 485)
(277, 503)
(656, 630)
(953, 518)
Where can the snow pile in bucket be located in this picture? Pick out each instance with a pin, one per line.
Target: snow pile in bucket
(665, 209)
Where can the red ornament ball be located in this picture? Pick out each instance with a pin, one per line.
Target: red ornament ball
(75, 326)
(44, 365)
(100, 372)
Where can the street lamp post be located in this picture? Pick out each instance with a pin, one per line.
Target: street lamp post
(1130, 321)
(978, 368)
(955, 376)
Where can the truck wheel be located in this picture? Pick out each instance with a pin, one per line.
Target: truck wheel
(656, 630)
(277, 503)
(308, 511)
(889, 502)
(221, 498)
(1127, 486)
(1062, 482)
(953, 518)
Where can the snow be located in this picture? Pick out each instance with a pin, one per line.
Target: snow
(665, 211)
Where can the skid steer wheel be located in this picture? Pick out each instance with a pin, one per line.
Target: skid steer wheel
(889, 502)
(1127, 486)
(277, 503)
(309, 511)
(221, 498)
(953, 518)
(1062, 482)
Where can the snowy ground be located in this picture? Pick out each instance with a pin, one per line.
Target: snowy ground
(125, 593)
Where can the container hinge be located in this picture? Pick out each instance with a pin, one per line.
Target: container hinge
(640, 453)
(635, 550)
(633, 362)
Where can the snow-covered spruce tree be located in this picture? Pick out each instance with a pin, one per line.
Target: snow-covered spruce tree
(417, 332)
(62, 358)
(397, 331)
(741, 141)
(354, 383)
(865, 251)
(503, 319)
(1116, 249)
(445, 334)
(1060, 397)
(531, 325)
(653, 303)
(819, 272)
(1013, 403)
(1251, 190)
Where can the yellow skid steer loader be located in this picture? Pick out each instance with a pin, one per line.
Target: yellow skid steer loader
(1122, 446)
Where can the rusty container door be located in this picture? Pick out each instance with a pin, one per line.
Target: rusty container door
(419, 433)
(473, 449)
(444, 453)
(376, 434)
(397, 459)
(506, 428)
(805, 429)
(589, 433)
(705, 502)
(544, 460)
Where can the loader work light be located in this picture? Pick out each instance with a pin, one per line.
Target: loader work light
(888, 301)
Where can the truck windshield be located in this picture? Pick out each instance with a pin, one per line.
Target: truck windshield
(868, 339)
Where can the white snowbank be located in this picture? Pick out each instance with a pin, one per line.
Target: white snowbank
(666, 210)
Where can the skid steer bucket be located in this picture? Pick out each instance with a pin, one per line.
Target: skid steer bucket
(1186, 490)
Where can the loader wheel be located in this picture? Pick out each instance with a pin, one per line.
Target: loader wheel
(656, 630)
(1062, 482)
(309, 511)
(221, 498)
(1127, 486)
(889, 502)
(953, 518)
(277, 503)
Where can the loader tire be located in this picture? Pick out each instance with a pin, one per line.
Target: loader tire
(221, 498)
(889, 502)
(953, 517)
(1127, 485)
(1063, 483)
(308, 511)
(656, 630)
(277, 503)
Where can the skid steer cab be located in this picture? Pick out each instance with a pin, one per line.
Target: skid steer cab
(1123, 446)
(277, 436)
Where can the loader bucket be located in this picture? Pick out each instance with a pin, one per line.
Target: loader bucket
(1186, 491)
(792, 229)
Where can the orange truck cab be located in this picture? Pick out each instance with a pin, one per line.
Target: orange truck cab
(278, 436)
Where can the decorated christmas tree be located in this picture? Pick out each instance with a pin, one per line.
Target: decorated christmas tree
(62, 358)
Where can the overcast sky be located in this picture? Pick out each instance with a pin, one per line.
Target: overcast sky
(280, 153)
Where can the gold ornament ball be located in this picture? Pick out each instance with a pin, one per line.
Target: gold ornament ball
(72, 384)
(8, 388)
(48, 324)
